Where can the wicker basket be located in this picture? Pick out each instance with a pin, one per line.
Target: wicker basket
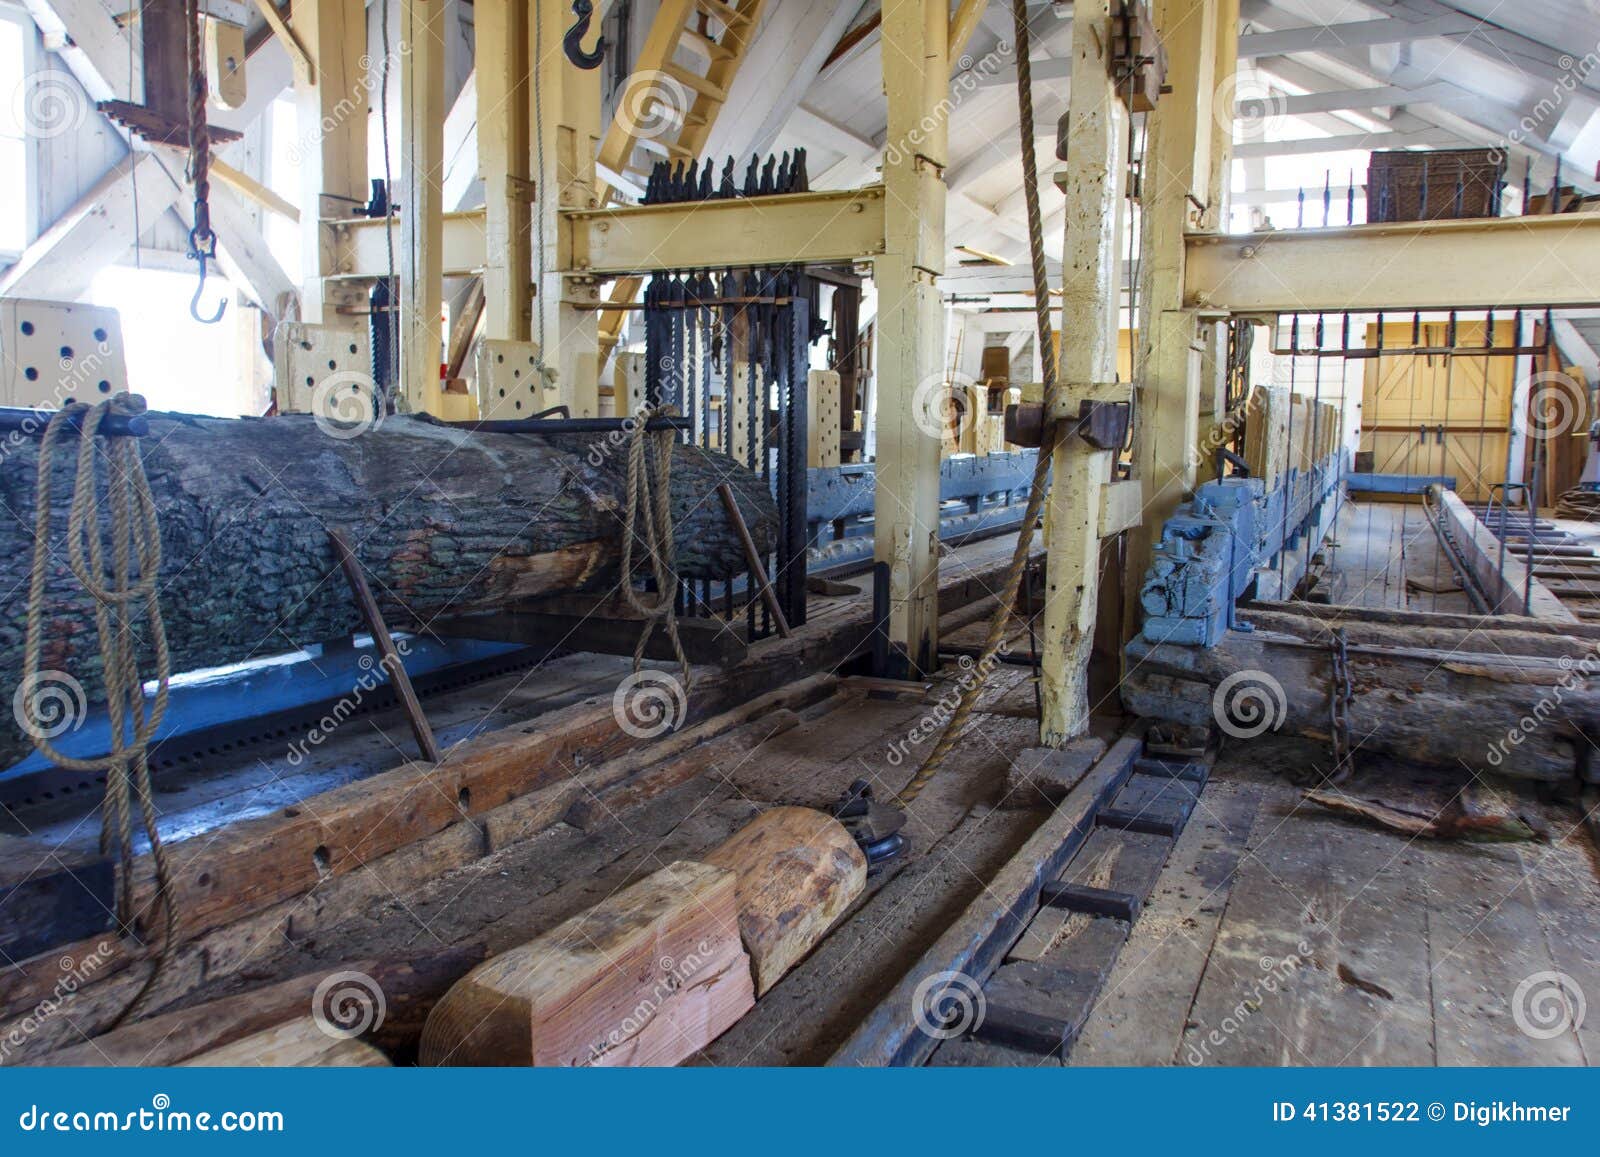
(1434, 185)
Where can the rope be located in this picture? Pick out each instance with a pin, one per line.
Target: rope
(202, 240)
(136, 535)
(650, 492)
(1041, 466)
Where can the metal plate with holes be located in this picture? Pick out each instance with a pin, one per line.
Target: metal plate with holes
(58, 352)
(307, 357)
(509, 383)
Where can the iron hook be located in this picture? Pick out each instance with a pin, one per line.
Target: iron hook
(202, 254)
(573, 40)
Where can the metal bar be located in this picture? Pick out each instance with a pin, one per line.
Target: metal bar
(390, 655)
(753, 556)
(31, 423)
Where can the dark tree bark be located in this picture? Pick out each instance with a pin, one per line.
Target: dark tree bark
(445, 521)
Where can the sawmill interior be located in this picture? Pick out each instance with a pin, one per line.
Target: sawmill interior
(954, 533)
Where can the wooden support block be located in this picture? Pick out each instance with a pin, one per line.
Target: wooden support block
(299, 1044)
(798, 870)
(1172, 769)
(646, 977)
(1121, 506)
(1050, 772)
(1090, 901)
(1149, 823)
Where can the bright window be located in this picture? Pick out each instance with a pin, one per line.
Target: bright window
(14, 98)
(174, 361)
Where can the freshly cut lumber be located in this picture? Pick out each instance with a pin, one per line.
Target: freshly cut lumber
(300, 1044)
(798, 870)
(442, 519)
(646, 977)
(410, 989)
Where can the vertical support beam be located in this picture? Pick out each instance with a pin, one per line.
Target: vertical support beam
(1219, 197)
(332, 108)
(916, 76)
(1091, 279)
(421, 197)
(163, 42)
(502, 30)
(1168, 360)
(566, 112)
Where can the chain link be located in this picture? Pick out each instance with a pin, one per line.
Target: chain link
(1340, 694)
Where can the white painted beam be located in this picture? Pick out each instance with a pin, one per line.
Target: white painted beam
(1357, 34)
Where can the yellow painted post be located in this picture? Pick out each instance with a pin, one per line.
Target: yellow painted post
(1095, 188)
(421, 194)
(911, 323)
(505, 159)
(1178, 179)
(331, 106)
(566, 129)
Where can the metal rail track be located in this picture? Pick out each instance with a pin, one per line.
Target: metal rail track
(1013, 980)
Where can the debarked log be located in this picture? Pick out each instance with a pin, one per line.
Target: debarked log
(1517, 715)
(443, 519)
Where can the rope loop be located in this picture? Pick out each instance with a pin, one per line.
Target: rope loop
(649, 492)
(118, 594)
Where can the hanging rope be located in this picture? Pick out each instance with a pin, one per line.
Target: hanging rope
(650, 495)
(202, 241)
(1041, 467)
(135, 571)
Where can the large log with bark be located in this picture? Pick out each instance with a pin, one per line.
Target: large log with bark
(443, 519)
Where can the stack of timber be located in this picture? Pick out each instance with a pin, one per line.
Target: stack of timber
(441, 518)
(1284, 433)
(1508, 695)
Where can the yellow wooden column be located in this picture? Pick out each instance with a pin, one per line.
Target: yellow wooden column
(566, 133)
(331, 105)
(911, 388)
(421, 198)
(505, 160)
(1178, 181)
(1091, 280)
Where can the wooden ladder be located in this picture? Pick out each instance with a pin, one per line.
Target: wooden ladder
(718, 34)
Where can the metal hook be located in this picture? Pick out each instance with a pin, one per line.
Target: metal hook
(202, 254)
(573, 40)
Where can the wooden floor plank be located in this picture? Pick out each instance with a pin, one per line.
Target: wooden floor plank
(1322, 916)
(1487, 938)
(1140, 1017)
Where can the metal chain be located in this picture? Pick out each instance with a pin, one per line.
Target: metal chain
(1340, 694)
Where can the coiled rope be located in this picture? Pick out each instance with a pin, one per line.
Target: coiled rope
(135, 538)
(1041, 467)
(650, 494)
